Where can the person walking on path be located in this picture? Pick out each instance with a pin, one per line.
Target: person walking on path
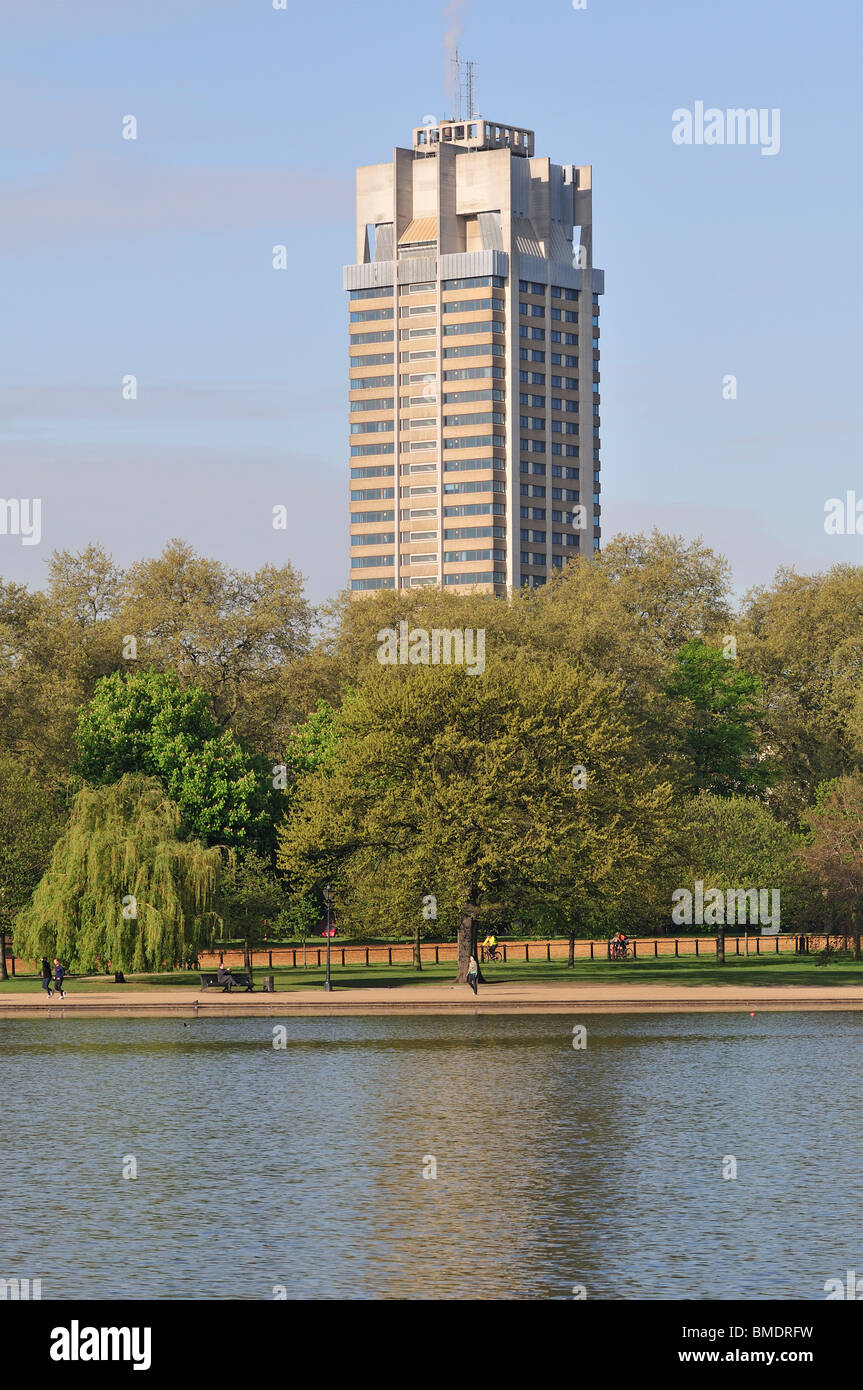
(59, 973)
(472, 972)
(46, 976)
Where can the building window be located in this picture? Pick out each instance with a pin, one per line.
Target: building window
(378, 359)
(373, 494)
(483, 577)
(472, 282)
(378, 403)
(372, 562)
(371, 338)
(468, 306)
(377, 538)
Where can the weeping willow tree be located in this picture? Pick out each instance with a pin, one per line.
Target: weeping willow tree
(123, 885)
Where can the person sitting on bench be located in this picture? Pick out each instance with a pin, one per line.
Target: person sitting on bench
(225, 978)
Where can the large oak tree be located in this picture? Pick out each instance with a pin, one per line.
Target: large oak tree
(463, 787)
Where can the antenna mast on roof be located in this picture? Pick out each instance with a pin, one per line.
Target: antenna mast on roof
(470, 89)
(463, 88)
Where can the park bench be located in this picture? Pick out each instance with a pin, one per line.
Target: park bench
(210, 980)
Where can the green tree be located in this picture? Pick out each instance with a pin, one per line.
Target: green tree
(736, 842)
(720, 702)
(314, 743)
(622, 615)
(803, 637)
(678, 590)
(244, 638)
(30, 821)
(463, 787)
(834, 847)
(123, 885)
(235, 634)
(54, 646)
(148, 722)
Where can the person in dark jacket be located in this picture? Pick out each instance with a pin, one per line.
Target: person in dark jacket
(59, 973)
(46, 976)
(225, 978)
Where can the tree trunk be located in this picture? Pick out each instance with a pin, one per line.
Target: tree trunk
(247, 963)
(418, 960)
(720, 944)
(570, 960)
(855, 923)
(467, 944)
(4, 973)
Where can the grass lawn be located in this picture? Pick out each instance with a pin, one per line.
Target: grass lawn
(685, 970)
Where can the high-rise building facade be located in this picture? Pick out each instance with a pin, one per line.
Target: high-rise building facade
(474, 364)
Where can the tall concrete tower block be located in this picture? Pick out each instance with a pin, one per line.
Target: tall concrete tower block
(474, 364)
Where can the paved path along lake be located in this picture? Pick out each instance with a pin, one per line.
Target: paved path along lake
(498, 998)
(556, 1167)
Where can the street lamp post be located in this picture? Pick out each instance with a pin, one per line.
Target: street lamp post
(328, 899)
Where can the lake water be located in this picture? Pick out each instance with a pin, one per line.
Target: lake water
(303, 1167)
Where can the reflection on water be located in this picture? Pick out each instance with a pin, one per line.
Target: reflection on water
(303, 1167)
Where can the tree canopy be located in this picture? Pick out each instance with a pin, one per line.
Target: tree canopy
(148, 722)
(123, 885)
(466, 790)
(720, 709)
(265, 722)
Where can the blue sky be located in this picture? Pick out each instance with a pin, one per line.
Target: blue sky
(154, 257)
